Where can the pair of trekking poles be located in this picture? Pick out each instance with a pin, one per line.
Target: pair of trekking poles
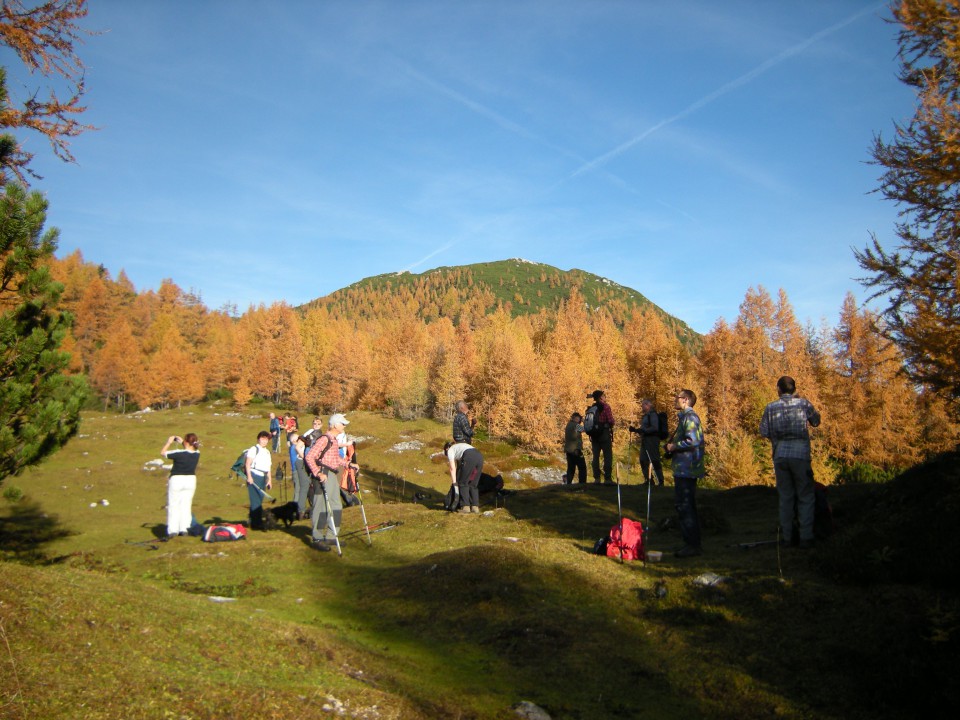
(646, 525)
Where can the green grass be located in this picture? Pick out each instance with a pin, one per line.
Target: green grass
(447, 616)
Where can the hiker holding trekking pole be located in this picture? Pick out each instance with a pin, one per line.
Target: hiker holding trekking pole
(325, 464)
(258, 467)
(651, 432)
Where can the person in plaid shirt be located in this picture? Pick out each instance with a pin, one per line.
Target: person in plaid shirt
(785, 423)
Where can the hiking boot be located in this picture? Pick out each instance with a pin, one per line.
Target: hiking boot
(475, 509)
(464, 510)
(688, 551)
(320, 545)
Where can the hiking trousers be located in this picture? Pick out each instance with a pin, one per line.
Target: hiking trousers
(796, 490)
(468, 477)
(301, 485)
(606, 447)
(685, 496)
(326, 504)
(256, 499)
(650, 455)
(576, 461)
(180, 490)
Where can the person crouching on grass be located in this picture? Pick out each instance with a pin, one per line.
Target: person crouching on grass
(259, 465)
(466, 464)
(182, 483)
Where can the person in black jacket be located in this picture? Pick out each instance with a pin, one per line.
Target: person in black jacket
(649, 432)
(462, 425)
(573, 447)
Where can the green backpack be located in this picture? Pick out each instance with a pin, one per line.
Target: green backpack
(240, 466)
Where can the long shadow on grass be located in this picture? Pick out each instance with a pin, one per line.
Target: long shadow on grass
(500, 626)
(26, 531)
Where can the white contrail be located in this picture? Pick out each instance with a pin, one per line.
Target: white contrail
(483, 110)
(720, 92)
(422, 260)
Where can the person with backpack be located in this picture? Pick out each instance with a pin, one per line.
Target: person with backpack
(686, 449)
(785, 423)
(182, 483)
(598, 424)
(573, 447)
(325, 464)
(653, 429)
(258, 468)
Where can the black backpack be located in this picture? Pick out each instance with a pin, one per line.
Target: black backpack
(663, 431)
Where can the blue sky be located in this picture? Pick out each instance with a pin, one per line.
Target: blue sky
(257, 152)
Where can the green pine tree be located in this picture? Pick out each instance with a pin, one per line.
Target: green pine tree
(39, 404)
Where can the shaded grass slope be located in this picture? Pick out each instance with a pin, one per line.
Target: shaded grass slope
(450, 616)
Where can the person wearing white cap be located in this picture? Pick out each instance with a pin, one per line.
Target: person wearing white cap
(324, 462)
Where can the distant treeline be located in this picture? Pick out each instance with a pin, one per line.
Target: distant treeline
(523, 374)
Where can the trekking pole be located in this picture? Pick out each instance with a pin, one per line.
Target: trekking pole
(620, 511)
(330, 521)
(646, 528)
(263, 492)
(363, 512)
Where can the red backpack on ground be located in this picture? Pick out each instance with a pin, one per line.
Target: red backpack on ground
(226, 532)
(628, 544)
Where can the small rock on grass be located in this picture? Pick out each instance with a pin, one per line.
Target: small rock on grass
(530, 711)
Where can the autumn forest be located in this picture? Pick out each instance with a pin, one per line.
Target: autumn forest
(417, 347)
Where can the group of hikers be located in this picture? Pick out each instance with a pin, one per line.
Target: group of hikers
(785, 422)
(324, 469)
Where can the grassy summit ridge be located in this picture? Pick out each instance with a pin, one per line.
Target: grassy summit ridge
(519, 286)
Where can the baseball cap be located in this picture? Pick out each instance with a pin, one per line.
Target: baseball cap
(338, 419)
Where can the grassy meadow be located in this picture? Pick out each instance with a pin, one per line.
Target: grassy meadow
(447, 616)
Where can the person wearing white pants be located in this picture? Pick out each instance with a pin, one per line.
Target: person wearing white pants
(182, 483)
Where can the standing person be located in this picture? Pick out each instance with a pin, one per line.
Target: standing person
(785, 423)
(466, 464)
(463, 425)
(650, 442)
(275, 432)
(601, 438)
(313, 432)
(324, 463)
(573, 447)
(182, 483)
(686, 447)
(259, 468)
(298, 471)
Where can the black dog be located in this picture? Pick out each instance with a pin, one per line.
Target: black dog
(287, 514)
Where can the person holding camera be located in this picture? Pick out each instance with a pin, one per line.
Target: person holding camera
(686, 449)
(182, 483)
